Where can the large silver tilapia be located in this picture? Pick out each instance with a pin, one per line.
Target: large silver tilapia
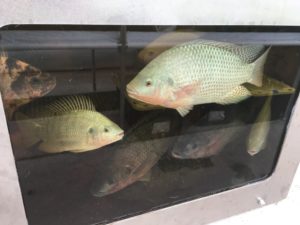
(68, 123)
(199, 72)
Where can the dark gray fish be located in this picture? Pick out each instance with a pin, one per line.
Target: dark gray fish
(198, 142)
(143, 146)
(21, 82)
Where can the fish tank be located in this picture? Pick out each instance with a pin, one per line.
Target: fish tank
(111, 122)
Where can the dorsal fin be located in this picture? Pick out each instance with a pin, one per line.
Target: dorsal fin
(247, 53)
(71, 103)
(52, 106)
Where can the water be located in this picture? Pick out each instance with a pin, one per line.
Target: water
(98, 62)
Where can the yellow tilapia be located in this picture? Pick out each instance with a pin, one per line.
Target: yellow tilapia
(164, 42)
(260, 129)
(199, 72)
(67, 124)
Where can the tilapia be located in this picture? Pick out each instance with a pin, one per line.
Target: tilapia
(142, 147)
(21, 82)
(260, 129)
(68, 123)
(200, 142)
(199, 72)
(269, 87)
(164, 42)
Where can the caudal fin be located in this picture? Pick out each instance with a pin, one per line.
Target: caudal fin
(258, 69)
(27, 128)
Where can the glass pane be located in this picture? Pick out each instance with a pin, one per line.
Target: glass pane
(108, 122)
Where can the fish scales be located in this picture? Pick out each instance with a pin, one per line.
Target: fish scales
(226, 66)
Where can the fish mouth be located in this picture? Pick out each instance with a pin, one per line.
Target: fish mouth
(252, 152)
(99, 193)
(177, 155)
(120, 135)
(132, 92)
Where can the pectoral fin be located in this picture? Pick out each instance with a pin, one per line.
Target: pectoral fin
(187, 90)
(184, 110)
(146, 177)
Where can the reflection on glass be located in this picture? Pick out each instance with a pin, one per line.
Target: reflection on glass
(117, 121)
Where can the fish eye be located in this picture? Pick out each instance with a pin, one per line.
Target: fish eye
(128, 169)
(91, 130)
(150, 53)
(188, 146)
(106, 130)
(148, 83)
(35, 81)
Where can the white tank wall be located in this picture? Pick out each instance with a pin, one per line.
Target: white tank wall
(177, 12)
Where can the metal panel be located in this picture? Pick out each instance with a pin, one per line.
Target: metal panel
(130, 12)
(11, 204)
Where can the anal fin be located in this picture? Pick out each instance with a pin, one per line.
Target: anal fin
(236, 95)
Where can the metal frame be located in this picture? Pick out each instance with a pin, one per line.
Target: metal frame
(199, 211)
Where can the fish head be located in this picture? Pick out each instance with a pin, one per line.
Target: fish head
(152, 86)
(113, 180)
(30, 82)
(255, 145)
(186, 149)
(103, 132)
(193, 146)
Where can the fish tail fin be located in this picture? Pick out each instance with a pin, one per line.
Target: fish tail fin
(26, 127)
(258, 69)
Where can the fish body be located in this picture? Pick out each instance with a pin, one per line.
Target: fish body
(67, 124)
(164, 42)
(21, 82)
(133, 159)
(199, 72)
(260, 129)
(199, 143)
(269, 87)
